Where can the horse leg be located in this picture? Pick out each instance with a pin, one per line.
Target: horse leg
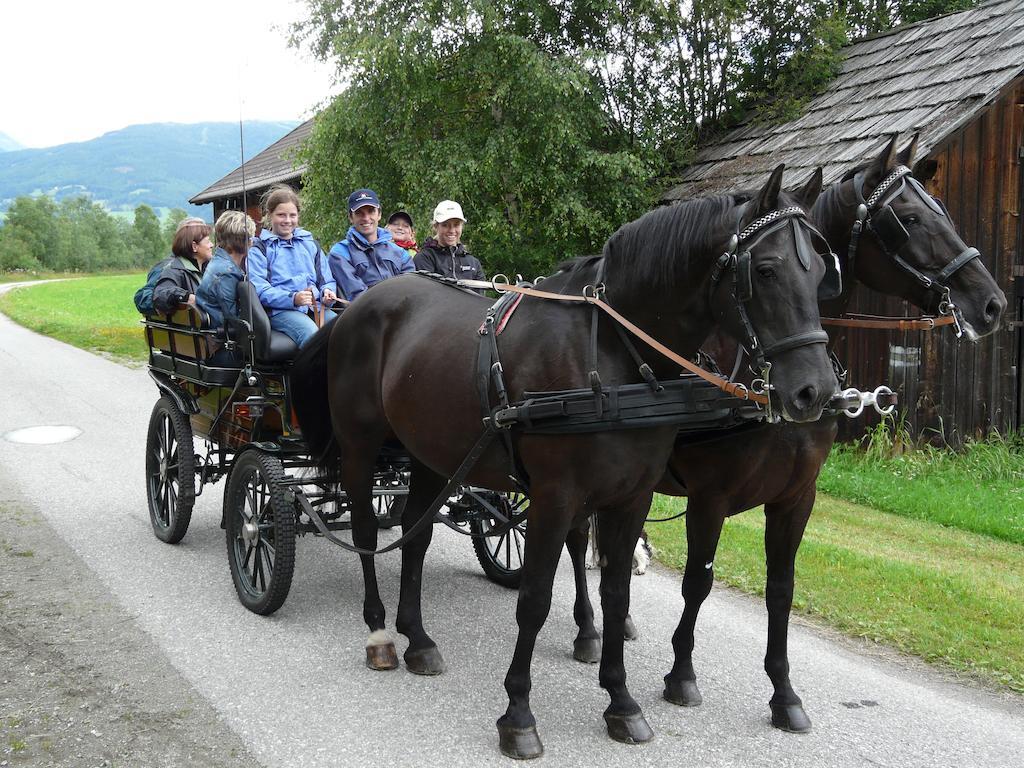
(517, 728)
(587, 645)
(422, 656)
(357, 479)
(784, 528)
(703, 527)
(617, 533)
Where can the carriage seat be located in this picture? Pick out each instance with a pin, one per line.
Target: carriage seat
(269, 346)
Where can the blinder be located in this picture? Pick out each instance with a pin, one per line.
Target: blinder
(889, 229)
(744, 283)
(831, 285)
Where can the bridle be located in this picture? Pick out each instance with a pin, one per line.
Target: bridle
(877, 214)
(738, 259)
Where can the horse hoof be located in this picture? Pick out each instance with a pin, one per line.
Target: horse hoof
(629, 630)
(425, 661)
(382, 657)
(628, 729)
(685, 693)
(790, 717)
(587, 649)
(519, 743)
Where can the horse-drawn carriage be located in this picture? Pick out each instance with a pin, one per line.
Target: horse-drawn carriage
(581, 420)
(244, 418)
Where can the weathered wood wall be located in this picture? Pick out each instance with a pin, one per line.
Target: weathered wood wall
(946, 388)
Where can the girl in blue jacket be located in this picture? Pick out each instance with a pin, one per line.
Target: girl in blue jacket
(288, 268)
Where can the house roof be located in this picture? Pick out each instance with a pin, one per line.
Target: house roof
(932, 77)
(274, 165)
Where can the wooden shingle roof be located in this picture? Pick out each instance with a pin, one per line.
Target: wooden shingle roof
(274, 165)
(932, 77)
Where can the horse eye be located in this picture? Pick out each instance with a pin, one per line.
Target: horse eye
(913, 220)
(766, 272)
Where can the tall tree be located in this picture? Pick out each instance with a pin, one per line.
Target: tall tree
(148, 239)
(459, 107)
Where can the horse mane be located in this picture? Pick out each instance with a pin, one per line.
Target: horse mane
(830, 206)
(656, 251)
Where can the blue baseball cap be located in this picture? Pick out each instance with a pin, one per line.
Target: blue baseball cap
(362, 197)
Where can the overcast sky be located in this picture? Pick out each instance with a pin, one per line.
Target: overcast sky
(72, 71)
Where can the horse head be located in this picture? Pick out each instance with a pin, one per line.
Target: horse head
(764, 292)
(903, 242)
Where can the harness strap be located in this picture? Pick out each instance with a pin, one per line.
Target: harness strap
(736, 390)
(796, 340)
(890, 323)
(960, 261)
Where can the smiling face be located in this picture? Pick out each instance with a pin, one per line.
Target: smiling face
(448, 233)
(365, 219)
(284, 219)
(400, 229)
(203, 250)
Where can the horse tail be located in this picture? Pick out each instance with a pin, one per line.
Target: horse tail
(311, 402)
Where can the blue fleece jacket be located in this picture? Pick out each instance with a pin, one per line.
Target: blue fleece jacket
(357, 264)
(217, 292)
(287, 268)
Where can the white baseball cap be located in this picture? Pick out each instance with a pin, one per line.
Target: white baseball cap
(448, 209)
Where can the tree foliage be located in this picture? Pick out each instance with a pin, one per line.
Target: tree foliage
(457, 109)
(78, 235)
(548, 120)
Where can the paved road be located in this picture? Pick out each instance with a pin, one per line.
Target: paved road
(293, 686)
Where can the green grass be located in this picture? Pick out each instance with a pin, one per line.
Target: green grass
(95, 313)
(978, 489)
(948, 596)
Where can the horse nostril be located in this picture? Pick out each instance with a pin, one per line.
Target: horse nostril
(994, 309)
(806, 397)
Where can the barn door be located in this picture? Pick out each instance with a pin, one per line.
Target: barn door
(1017, 300)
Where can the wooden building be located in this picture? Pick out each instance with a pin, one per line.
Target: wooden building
(274, 165)
(958, 81)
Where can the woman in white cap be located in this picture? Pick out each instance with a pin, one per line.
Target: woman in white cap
(444, 254)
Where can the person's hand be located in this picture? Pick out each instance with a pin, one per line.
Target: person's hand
(303, 298)
(191, 300)
(328, 296)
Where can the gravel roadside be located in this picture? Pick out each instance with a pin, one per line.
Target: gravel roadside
(80, 684)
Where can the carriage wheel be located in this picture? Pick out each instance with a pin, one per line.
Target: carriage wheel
(501, 557)
(170, 471)
(260, 532)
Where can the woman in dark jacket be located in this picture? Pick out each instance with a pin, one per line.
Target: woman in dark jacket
(180, 279)
(444, 253)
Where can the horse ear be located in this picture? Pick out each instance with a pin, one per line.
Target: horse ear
(876, 171)
(768, 198)
(809, 192)
(906, 155)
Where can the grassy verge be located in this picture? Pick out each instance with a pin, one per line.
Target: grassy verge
(947, 596)
(95, 313)
(980, 489)
(23, 276)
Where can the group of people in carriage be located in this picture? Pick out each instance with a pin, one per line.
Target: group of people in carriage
(291, 274)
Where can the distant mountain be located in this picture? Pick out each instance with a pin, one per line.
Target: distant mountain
(160, 164)
(7, 144)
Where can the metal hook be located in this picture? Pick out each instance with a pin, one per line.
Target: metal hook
(498, 285)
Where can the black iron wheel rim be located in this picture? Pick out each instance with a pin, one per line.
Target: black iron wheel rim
(163, 476)
(506, 551)
(255, 559)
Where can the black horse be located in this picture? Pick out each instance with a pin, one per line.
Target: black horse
(923, 260)
(400, 364)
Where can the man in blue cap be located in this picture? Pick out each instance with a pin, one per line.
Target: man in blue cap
(368, 254)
